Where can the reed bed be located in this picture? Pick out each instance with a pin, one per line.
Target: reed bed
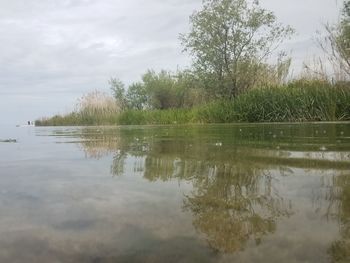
(95, 108)
(299, 101)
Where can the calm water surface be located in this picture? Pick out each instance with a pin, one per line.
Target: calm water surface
(212, 193)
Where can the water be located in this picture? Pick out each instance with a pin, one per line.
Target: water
(211, 193)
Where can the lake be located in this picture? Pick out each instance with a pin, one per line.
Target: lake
(201, 193)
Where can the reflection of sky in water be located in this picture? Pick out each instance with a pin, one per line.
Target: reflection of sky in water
(205, 194)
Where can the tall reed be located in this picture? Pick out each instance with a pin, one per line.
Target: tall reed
(94, 108)
(298, 101)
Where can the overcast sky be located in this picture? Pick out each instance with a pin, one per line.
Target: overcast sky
(53, 51)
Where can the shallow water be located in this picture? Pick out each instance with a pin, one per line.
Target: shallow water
(210, 193)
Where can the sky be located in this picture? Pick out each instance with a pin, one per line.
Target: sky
(54, 51)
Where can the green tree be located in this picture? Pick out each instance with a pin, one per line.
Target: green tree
(160, 89)
(229, 39)
(136, 96)
(337, 43)
(118, 89)
(342, 37)
(189, 88)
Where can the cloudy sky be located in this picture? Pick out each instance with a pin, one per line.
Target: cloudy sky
(53, 51)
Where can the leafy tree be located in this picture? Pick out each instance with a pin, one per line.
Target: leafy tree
(136, 96)
(337, 42)
(118, 89)
(342, 38)
(229, 39)
(189, 88)
(160, 89)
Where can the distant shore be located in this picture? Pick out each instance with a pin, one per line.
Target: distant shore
(288, 103)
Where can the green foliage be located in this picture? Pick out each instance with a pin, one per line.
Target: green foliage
(343, 37)
(216, 112)
(164, 90)
(189, 89)
(170, 116)
(136, 96)
(161, 89)
(229, 41)
(299, 101)
(118, 89)
(294, 102)
(78, 119)
(337, 43)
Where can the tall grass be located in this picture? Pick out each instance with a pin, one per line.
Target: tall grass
(170, 116)
(298, 101)
(95, 108)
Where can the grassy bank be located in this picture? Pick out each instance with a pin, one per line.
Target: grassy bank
(290, 103)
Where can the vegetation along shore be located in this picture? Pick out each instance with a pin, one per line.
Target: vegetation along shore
(232, 78)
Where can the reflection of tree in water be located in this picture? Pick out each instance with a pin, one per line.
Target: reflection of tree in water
(340, 197)
(97, 144)
(117, 167)
(100, 147)
(234, 204)
(233, 199)
(118, 143)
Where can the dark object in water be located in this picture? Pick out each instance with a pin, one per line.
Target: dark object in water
(9, 140)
